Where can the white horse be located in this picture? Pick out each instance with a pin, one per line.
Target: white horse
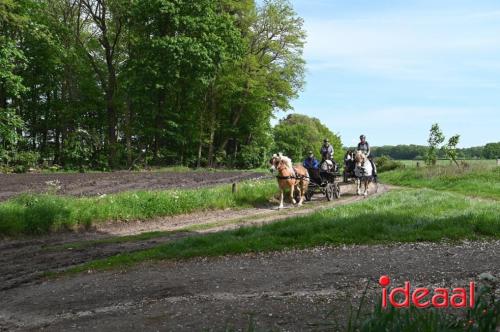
(363, 171)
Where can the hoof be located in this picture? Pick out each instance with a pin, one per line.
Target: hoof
(365, 194)
(294, 202)
(280, 207)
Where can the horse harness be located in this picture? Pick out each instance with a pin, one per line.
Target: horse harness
(293, 177)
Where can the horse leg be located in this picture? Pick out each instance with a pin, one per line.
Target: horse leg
(281, 199)
(367, 183)
(300, 194)
(292, 192)
(358, 182)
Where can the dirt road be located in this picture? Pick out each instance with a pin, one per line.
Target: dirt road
(288, 291)
(92, 184)
(24, 261)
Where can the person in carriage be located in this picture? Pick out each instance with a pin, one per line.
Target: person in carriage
(312, 165)
(311, 162)
(364, 147)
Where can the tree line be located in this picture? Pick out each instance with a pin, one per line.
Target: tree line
(109, 84)
(419, 152)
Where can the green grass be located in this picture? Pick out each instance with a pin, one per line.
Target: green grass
(40, 214)
(408, 215)
(478, 181)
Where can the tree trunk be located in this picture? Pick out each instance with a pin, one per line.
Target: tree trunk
(128, 132)
(158, 124)
(111, 113)
(3, 97)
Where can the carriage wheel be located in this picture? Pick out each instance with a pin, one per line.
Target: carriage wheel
(329, 191)
(337, 191)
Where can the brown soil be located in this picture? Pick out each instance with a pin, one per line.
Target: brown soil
(94, 184)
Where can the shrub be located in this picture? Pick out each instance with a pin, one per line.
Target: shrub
(21, 162)
(386, 163)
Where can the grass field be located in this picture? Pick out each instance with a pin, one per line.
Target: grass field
(407, 215)
(40, 214)
(477, 180)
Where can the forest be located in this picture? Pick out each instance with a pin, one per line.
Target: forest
(113, 84)
(418, 152)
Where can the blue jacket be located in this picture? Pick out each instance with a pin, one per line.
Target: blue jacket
(311, 163)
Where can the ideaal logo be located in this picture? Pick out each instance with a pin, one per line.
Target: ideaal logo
(400, 297)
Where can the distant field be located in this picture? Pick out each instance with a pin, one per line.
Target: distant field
(413, 163)
(479, 180)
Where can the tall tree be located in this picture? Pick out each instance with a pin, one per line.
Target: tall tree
(100, 33)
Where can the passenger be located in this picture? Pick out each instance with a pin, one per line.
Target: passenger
(311, 162)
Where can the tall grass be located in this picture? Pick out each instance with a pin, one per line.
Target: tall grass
(401, 216)
(39, 214)
(476, 180)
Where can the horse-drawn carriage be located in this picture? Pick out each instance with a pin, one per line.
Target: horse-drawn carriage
(305, 183)
(324, 180)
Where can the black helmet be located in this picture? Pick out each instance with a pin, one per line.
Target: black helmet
(326, 140)
(362, 137)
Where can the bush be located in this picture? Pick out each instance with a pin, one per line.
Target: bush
(386, 163)
(21, 162)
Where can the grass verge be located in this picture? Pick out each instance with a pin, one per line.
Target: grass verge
(408, 215)
(40, 214)
(479, 181)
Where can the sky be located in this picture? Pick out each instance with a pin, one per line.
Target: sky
(390, 69)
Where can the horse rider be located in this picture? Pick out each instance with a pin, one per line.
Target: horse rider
(311, 162)
(364, 147)
(326, 150)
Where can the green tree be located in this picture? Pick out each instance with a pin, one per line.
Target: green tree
(296, 134)
(450, 148)
(492, 151)
(436, 138)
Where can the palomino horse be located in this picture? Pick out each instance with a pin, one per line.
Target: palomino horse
(290, 177)
(363, 171)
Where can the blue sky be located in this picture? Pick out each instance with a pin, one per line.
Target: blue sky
(389, 69)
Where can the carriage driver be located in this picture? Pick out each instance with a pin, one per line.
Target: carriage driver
(326, 150)
(310, 162)
(363, 145)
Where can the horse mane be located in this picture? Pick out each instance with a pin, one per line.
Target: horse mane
(287, 161)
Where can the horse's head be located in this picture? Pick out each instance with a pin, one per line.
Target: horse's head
(273, 162)
(360, 158)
